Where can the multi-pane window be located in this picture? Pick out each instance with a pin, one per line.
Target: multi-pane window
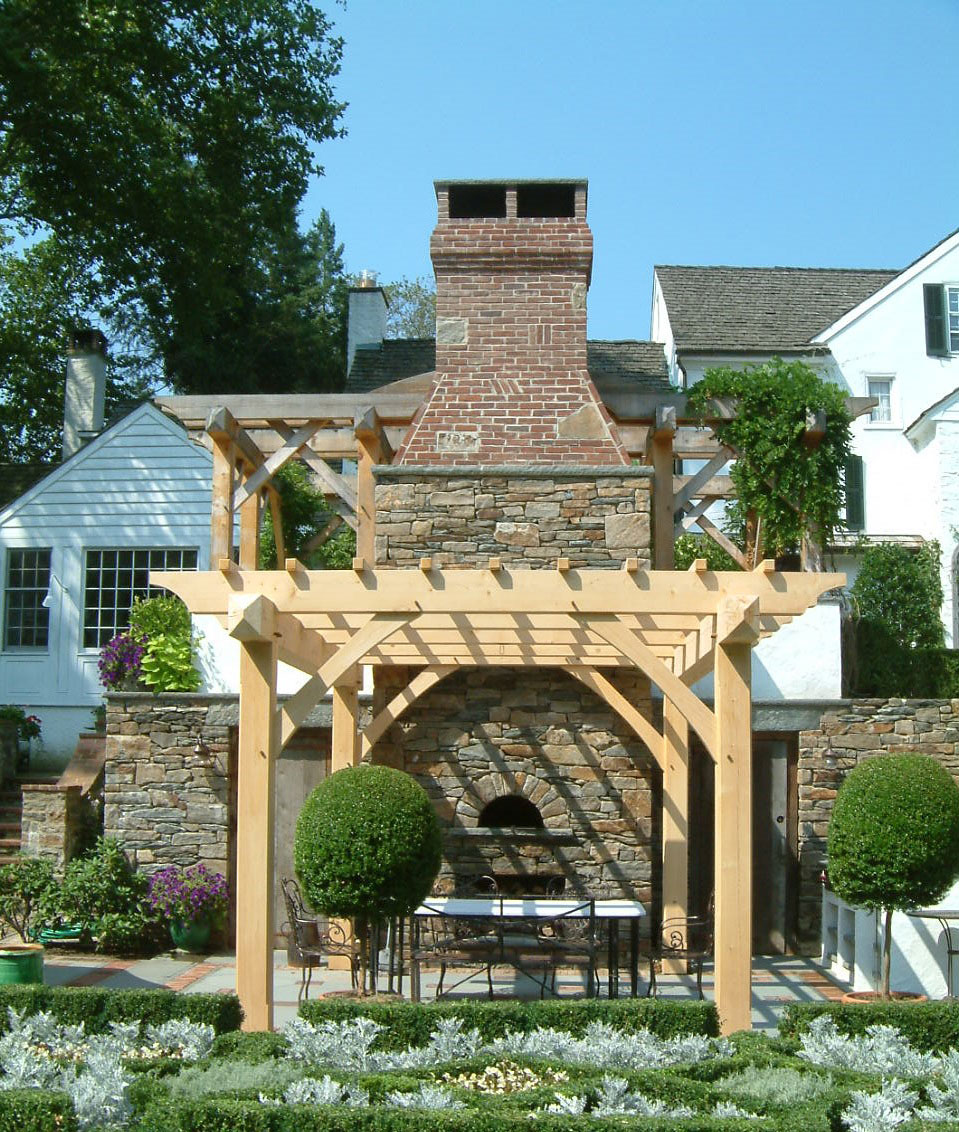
(881, 389)
(26, 621)
(952, 314)
(114, 578)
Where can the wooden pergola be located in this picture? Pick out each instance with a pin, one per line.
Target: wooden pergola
(675, 627)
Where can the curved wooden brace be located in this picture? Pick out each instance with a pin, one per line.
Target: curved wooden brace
(608, 692)
(374, 632)
(420, 684)
(700, 718)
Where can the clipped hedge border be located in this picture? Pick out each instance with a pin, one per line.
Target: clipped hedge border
(35, 1110)
(411, 1023)
(250, 1116)
(97, 1007)
(927, 1026)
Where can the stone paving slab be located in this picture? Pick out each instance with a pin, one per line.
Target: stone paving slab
(777, 980)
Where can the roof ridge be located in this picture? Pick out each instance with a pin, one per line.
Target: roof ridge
(783, 267)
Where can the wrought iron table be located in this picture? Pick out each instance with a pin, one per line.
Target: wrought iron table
(949, 919)
(555, 909)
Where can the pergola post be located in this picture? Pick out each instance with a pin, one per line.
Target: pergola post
(258, 749)
(345, 737)
(675, 813)
(733, 847)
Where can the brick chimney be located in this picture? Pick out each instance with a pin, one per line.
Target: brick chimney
(85, 389)
(513, 262)
(366, 317)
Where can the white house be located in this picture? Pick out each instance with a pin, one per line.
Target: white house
(893, 335)
(77, 547)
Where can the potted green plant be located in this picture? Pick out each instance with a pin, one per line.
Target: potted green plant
(27, 890)
(157, 650)
(17, 731)
(193, 901)
(368, 846)
(893, 840)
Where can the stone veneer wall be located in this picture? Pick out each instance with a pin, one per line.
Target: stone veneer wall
(165, 804)
(596, 517)
(539, 734)
(847, 734)
(56, 822)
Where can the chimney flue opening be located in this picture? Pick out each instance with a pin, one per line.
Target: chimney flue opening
(545, 201)
(473, 202)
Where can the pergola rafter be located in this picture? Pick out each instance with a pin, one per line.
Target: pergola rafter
(667, 624)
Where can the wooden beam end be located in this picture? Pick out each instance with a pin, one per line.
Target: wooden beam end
(426, 564)
(631, 565)
(767, 566)
(562, 564)
(291, 565)
(225, 565)
(495, 565)
(698, 566)
(359, 565)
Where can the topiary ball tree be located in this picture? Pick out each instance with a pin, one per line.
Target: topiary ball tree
(893, 839)
(368, 845)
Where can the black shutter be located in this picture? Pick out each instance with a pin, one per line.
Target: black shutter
(933, 297)
(855, 497)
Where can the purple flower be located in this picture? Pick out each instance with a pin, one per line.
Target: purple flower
(189, 894)
(120, 659)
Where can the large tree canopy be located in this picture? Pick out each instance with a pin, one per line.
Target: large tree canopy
(169, 144)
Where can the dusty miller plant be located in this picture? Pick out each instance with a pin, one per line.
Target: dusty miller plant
(882, 1049)
(432, 1097)
(876, 1112)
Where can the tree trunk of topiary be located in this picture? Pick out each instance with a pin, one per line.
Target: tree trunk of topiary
(886, 953)
(363, 937)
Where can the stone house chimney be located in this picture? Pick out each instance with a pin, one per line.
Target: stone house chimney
(513, 262)
(83, 404)
(366, 317)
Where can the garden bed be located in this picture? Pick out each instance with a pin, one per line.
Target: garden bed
(609, 1065)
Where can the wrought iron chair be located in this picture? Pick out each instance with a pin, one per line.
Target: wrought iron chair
(310, 943)
(683, 938)
(458, 941)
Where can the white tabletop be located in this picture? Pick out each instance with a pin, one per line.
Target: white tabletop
(536, 907)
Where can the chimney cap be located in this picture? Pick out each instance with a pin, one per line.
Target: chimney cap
(510, 182)
(86, 340)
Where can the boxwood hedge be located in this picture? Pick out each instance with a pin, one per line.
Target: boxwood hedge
(97, 1007)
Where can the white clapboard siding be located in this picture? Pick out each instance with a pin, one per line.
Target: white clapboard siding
(142, 483)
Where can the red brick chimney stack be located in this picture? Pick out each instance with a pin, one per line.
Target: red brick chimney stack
(512, 262)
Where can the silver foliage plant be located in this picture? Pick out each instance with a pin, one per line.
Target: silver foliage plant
(881, 1050)
(38, 1052)
(615, 1099)
(349, 1045)
(310, 1090)
(875, 1112)
(432, 1097)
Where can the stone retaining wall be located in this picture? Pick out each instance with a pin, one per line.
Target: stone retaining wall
(596, 517)
(847, 734)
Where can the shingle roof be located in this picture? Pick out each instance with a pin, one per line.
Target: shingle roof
(640, 363)
(760, 308)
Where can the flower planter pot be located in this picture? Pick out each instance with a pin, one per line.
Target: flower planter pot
(192, 935)
(21, 963)
(857, 998)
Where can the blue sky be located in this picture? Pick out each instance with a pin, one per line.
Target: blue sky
(711, 131)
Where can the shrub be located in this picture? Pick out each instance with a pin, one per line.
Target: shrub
(105, 894)
(412, 1023)
(688, 548)
(97, 1007)
(928, 1026)
(27, 887)
(893, 840)
(36, 1110)
(368, 844)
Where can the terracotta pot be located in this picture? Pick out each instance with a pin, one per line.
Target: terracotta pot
(853, 998)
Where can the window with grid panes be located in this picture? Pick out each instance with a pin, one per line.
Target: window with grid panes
(26, 620)
(114, 578)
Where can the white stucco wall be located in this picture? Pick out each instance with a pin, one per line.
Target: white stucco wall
(802, 661)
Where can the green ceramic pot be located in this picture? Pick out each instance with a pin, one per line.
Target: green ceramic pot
(190, 935)
(21, 963)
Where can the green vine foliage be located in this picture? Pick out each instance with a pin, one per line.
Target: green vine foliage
(305, 512)
(792, 489)
(688, 548)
